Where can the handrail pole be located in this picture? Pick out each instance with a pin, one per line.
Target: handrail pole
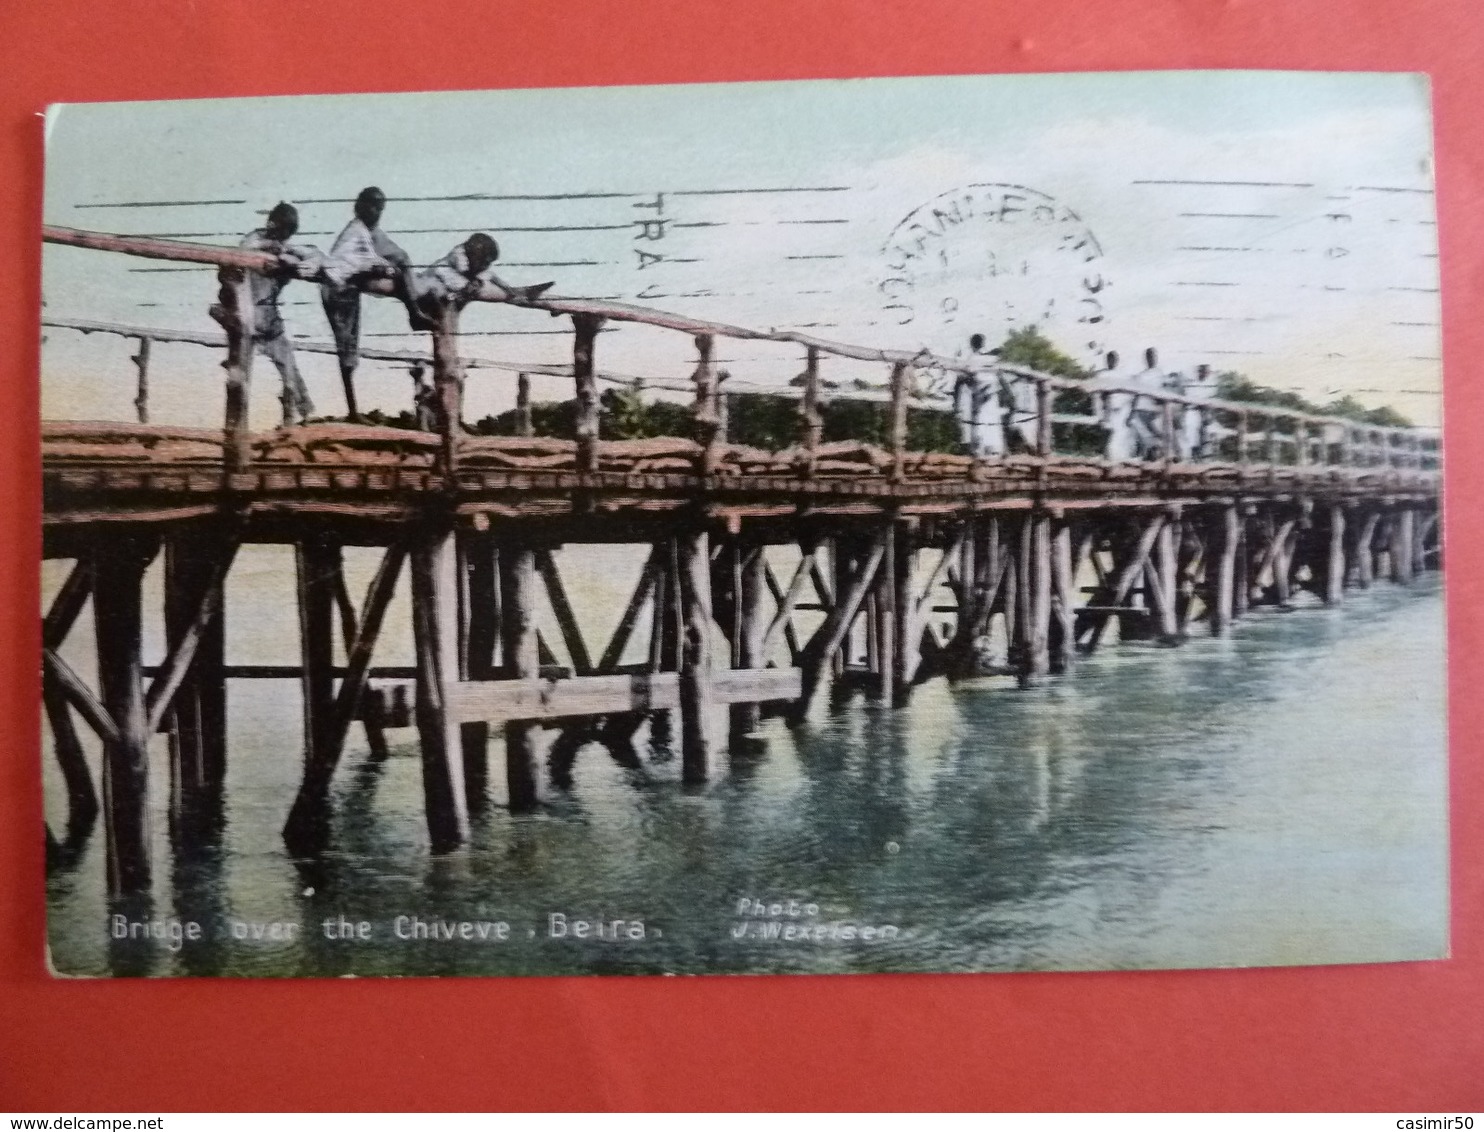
(585, 329)
(900, 379)
(235, 314)
(1167, 427)
(706, 410)
(141, 393)
(1044, 437)
(811, 420)
(524, 424)
(448, 386)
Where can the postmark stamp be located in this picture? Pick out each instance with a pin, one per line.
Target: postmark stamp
(988, 258)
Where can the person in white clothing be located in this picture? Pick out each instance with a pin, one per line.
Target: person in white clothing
(462, 274)
(1116, 408)
(269, 336)
(1196, 433)
(976, 403)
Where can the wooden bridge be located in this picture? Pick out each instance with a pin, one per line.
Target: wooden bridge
(908, 564)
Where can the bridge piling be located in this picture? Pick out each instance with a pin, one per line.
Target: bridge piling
(885, 607)
(479, 616)
(197, 717)
(518, 644)
(749, 583)
(1163, 577)
(1036, 534)
(82, 797)
(118, 573)
(435, 630)
(1064, 563)
(1400, 545)
(696, 693)
(1334, 561)
(316, 563)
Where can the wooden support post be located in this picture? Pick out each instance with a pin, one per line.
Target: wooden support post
(1064, 592)
(901, 384)
(1131, 570)
(841, 561)
(850, 591)
(696, 695)
(811, 421)
(82, 798)
(1382, 544)
(1038, 584)
(706, 411)
(1242, 579)
(613, 653)
(448, 388)
(994, 568)
(968, 592)
(235, 312)
(561, 607)
(1165, 563)
(1362, 559)
(1280, 556)
(1013, 550)
(585, 329)
(522, 662)
(888, 588)
(141, 389)
(118, 570)
(1334, 573)
(1044, 402)
(317, 563)
(1403, 528)
(752, 631)
(480, 601)
(198, 706)
(1222, 571)
(524, 424)
(782, 622)
(906, 639)
(435, 634)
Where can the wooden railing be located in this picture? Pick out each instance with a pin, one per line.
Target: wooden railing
(1242, 433)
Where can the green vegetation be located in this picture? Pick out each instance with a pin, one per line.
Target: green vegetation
(762, 420)
(1234, 387)
(1030, 348)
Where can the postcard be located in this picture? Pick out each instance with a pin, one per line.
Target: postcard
(955, 524)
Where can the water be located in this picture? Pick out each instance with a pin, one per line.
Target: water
(1275, 798)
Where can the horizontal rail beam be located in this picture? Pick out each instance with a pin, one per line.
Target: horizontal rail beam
(500, 700)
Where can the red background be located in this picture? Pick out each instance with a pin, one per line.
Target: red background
(1406, 1036)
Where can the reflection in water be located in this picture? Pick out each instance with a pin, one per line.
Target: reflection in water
(1274, 798)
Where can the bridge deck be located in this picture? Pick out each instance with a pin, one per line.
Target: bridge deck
(103, 471)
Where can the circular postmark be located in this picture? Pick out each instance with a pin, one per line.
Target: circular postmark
(988, 259)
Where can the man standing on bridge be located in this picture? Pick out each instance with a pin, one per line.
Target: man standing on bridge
(976, 403)
(361, 252)
(269, 336)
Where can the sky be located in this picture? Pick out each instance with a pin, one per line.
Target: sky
(1276, 224)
